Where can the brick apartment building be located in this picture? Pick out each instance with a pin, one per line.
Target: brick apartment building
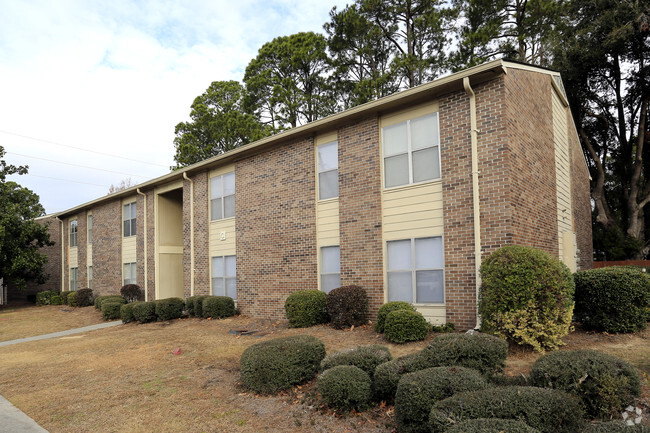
(399, 196)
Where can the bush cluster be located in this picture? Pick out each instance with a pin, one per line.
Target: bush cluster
(132, 293)
(388, 308)
(306, 308)
(45, 297)
(526, 297)
(615, 299)
(218, 307)
(347, 306)
(169, 309)
(604, 383)
(405, 325)
(57, 300)
(366, 358)
(616, 427)
(197, 305)
(85, 297)
(72, 299)
(64, 296)
(547, 410)
(491, 425)
(111, 310)
(108, 298)
(345, 387)
(417, 392)
(126, 312)
(144, 312)
(271, 366)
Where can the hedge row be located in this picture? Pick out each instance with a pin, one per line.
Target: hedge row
(207, 306)
(343, 307)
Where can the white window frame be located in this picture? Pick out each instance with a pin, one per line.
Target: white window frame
(221, 196)
(74, 279)
(409, 151)
(225, 276)
(90, 277)
(127, 218)
(324, 274)
(74, 230)
(129, 273)
(322, 172)
(89, 228)
(414, 270)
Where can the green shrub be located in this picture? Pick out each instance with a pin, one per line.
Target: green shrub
(388, 374)
(404, 325)
(198, 305)
(347, 306)
(72, 299)
(111, 310)
(503, 380)
(483, 352)
(345, 387)
(418, 391)
(56, 300)
(108, 298)
(218, 307)
(126, 312)
(387, 308)
(189, 306)
(547, 410)
(366, 358)
(169, 309)
(45, 297)
(447, 327)
(526, 297)
(306, 308)
(132, 293)
(277, 364)
(84, 298)
(491, 425)
(64, 296)
(145, 312)
(604, 383)
(613, 299)
(616, 427)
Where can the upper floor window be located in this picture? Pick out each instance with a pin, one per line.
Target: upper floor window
(90, 228)
(224, 276)
(328, 170)
(411, 151)
(222, 196)
(128, 216)
(73, 233)
(330, 273)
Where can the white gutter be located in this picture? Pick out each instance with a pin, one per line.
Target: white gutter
(191, 232)
(146, 279)
(475, 192)
(62, 254)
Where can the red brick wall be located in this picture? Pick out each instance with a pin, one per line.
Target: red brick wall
(276, 227)
(360, 209)
(107, 248)
(201, 236)
(581, 199)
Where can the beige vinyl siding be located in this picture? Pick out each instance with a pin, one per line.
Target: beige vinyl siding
(89, 255)
(73, 257)
(222, 237)
(168, 220)
(128, 243)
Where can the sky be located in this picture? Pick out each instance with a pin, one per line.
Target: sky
(90, 91)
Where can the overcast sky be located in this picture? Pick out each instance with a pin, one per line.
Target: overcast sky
(90, 91)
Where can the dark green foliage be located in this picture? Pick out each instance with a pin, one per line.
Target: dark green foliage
(64, 296)
(615, 299)
(491, 425)
(447, 327)
(418, 391)
(503, 380)
(604, 383)
(347, 306)
(616, 427)
(387, 308)
(526, 296)
(126, 312)
(404, 325)
(56, 300)
(306, 308)
(132, 293)
(277, 364)
(85, 298)
(72, 299)
(388, 374)
(548, 410)
(198, 305)
(218, 307)
(108, 298)
(169, 309)
(189, 306)
(345, 387)
(45, 297)
(144, 312)
(111, 310)
(366, 358)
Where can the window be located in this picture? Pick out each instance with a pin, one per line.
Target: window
(73, 233)
(129, 219)
(130, 273)
(415, 271)
(90, 277)
(73, 278)
(330, 274)
(411, 151)
(222, 196)
(90, 228)
(224, 276)
(328, 170)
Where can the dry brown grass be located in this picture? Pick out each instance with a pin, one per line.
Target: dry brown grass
(126, 379)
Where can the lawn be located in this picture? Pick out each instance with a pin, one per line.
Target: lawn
(127, 379)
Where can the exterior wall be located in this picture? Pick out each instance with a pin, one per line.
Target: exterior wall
(201, 236)
(150, 287)
(222, 233)
(276, 227)
(107, 248)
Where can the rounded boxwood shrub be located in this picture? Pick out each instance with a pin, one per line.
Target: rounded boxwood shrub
(616, 427)
(189, 306)
(274, 365)
(547, 410)
(145, 312)
(45, 297)
(132, 293)
(72, 299)
(85, 298)
(198, 305)
(347, 306)
(483, 352)
(64, 296)
(218, 307)
(56, 300)
(404, 325)
(614, 299)
(126, 312)
(387, 308)
(604, 383)
(526, 297)
(169, 309)
(366, 358)
(491, 425)
(418, 391)
(388, 374)
(111, 310)
(306, 308)
(345, 387)
(108, 298)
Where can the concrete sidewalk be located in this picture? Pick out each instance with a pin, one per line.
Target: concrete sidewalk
(62, 333)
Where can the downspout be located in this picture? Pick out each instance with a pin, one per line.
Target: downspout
(475, 192)
(191, 232)
(146, 274)
(62, 254)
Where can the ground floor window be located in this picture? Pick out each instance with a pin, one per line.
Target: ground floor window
(415, 270)
(224, 276)
(130, 273)
(73, 278)
(330, 272)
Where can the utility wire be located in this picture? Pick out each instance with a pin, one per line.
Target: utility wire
(76, 165)
(66, 180)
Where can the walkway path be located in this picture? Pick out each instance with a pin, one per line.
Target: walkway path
(62, 333)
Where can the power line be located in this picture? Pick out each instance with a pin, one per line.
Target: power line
(67, 180)
(80, 148)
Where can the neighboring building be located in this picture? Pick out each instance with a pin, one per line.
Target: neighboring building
(380, 195)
